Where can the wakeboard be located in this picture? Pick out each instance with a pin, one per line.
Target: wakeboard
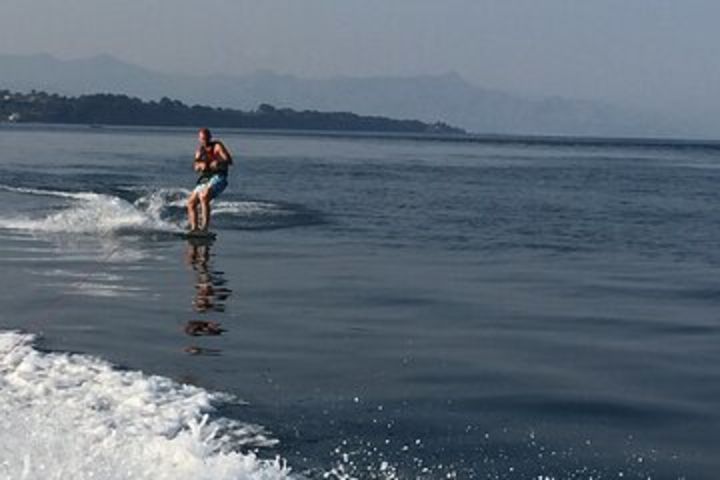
(198, 235)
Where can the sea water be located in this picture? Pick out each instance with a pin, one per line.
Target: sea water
(383, 308)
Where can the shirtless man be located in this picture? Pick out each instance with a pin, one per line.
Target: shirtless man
(212, 162)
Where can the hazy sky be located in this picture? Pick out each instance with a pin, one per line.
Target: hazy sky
(662, 54)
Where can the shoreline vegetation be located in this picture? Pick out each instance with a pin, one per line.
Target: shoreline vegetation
(122, 110)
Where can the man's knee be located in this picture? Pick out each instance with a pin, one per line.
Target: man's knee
(205, 195)
(192, 201)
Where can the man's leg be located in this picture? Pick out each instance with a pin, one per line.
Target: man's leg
(205, 197)
(215, 187)
(192, 210)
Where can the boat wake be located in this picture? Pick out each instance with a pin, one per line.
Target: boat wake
(89, 213)
(75, 416)
(134, 211)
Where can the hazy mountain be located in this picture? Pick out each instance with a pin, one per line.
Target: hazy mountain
(446, 98)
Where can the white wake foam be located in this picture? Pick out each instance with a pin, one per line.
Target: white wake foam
(74, 416)
(95, 213)
(92, 213)
(47, 193)
(250, 209)
(176, 197)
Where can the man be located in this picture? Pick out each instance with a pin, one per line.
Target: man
(212, 162)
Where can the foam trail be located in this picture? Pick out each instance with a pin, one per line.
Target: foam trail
(249, 209)
(176, 197)
(91, 213)
(103, 214)
(46, 193)
(75, 416)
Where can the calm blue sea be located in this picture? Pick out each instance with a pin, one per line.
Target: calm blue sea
(388, 307)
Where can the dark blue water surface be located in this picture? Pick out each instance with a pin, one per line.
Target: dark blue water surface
(395, 306)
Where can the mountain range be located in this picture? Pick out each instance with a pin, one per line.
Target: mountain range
(430, 98)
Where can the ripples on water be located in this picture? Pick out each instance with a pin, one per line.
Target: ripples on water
(388, 308)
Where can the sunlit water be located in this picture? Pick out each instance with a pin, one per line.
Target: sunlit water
(372, 308)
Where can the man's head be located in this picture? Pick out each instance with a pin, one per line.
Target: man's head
(204, 136)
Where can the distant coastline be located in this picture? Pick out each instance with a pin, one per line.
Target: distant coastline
(122, 110)
(486, 139)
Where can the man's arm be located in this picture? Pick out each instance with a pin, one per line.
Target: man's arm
(223, 153)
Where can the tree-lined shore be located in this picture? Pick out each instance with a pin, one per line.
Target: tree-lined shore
(113, 109)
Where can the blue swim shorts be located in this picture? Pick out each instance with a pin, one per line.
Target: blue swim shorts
(216, 184)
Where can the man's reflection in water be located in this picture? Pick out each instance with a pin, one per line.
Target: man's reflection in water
(210, 296)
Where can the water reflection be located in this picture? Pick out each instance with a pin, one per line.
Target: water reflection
(198, 328)
(211, 295)
(206, 352)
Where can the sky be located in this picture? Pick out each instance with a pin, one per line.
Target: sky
(655, 54)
